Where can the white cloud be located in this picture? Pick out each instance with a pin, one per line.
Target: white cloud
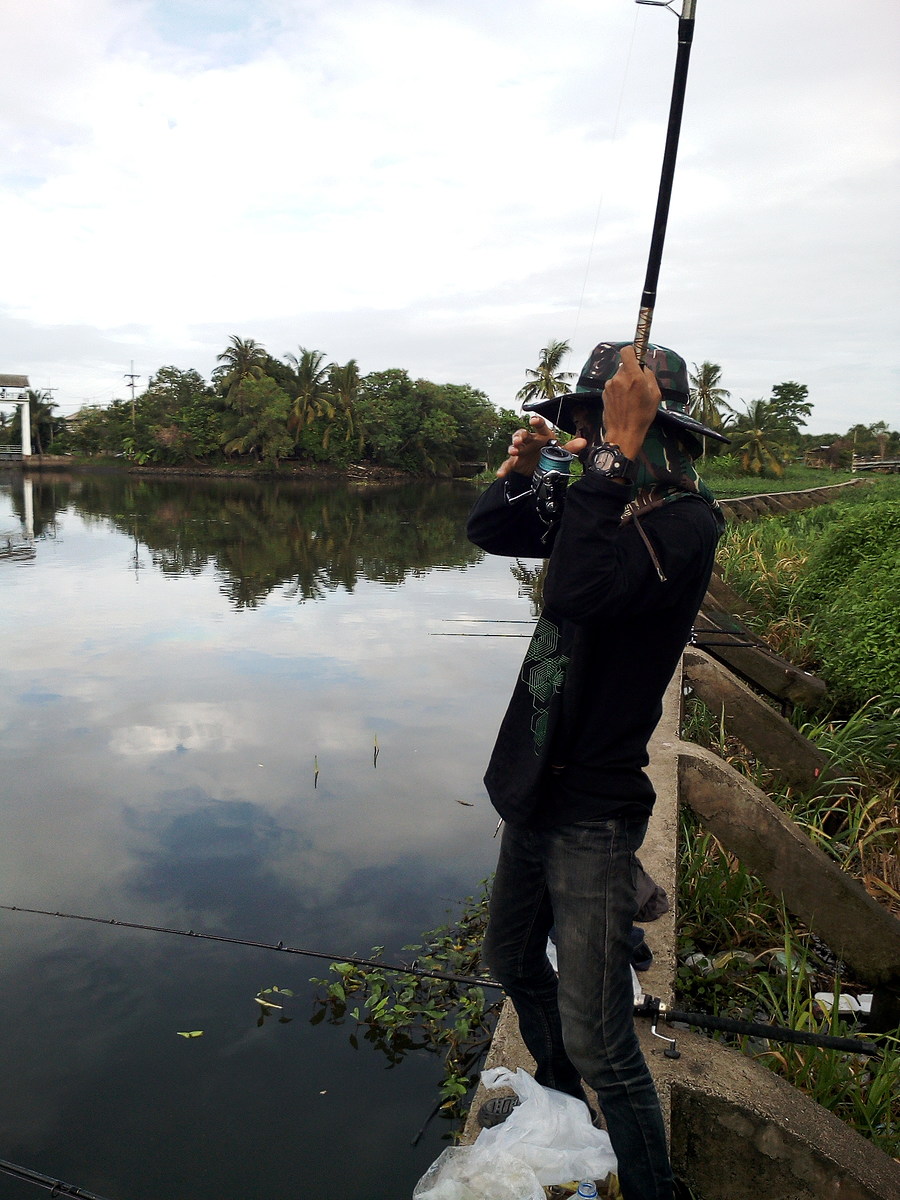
(419, 186)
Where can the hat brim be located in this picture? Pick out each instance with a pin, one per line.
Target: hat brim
(558, 412)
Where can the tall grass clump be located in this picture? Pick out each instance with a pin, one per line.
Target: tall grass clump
(826, 585)
(853, 816)
(851, 591)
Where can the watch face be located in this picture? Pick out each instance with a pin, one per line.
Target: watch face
(604, 460)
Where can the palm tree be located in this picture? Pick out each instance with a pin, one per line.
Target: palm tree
(261, 430)
(343, 386)
(707, 396)
(243, 359)
(546, 380)
(43, 422)
(311, 382)
(755, 438)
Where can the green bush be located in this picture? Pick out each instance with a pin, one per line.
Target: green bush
(862, 535)
(850, 593)
(856, 635)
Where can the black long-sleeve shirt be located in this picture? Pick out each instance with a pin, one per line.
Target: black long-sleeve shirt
(573, 743)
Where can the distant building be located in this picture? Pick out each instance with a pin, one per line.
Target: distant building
(19, 385)
(14, 382)
(835, 456)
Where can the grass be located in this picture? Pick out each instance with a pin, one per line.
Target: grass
(723, 477)
(851, 642)
(854, 817)
(770, 972)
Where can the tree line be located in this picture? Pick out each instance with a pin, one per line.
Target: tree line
(263, 410)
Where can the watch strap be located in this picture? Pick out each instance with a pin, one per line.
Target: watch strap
(608, 462)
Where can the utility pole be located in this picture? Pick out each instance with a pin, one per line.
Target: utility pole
(48, 393)
(131, 377)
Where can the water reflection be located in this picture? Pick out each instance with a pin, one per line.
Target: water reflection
(193, 680)
(310, 538)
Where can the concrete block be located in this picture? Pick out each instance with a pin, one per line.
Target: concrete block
(756, 724)
(826, 899)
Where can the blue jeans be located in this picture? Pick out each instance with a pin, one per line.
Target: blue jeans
(580, 878)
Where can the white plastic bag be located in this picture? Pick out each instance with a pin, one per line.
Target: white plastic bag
(548, 1138)
(461, 1173)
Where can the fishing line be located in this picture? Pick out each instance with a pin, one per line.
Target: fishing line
(613, 140)
(495, 635)
(649, 1006)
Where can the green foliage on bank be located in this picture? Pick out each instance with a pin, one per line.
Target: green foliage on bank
(741, 955)
(828, 582)
(397, 1012)
(851, 589)
(262, 411)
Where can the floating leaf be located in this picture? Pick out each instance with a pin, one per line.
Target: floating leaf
(192, 1033)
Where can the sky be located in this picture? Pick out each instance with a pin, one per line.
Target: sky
(445, 186)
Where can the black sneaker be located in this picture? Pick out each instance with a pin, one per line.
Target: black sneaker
(495, 1111)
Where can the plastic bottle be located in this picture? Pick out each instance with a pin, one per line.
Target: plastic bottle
(587, 1190)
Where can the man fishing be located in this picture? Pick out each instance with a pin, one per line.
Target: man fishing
(631, 547)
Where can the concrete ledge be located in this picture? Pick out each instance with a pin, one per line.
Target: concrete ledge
(739, 1132)
(744, 508)
(755, 661)
(755, 723)
(828, 900)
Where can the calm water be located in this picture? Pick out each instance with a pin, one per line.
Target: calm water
(176, 659)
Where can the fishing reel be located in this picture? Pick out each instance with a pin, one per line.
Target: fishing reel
(550, 481)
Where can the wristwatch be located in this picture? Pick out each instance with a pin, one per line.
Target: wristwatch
(608, 461)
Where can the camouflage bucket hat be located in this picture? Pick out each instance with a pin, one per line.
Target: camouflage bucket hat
(671, 374)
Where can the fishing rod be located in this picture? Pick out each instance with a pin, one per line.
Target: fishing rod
(56, 1187)
(676, 107)
(647, 1006)
(399, 968)
(657, 1010)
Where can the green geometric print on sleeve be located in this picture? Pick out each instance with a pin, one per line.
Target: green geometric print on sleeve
(543, 672)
